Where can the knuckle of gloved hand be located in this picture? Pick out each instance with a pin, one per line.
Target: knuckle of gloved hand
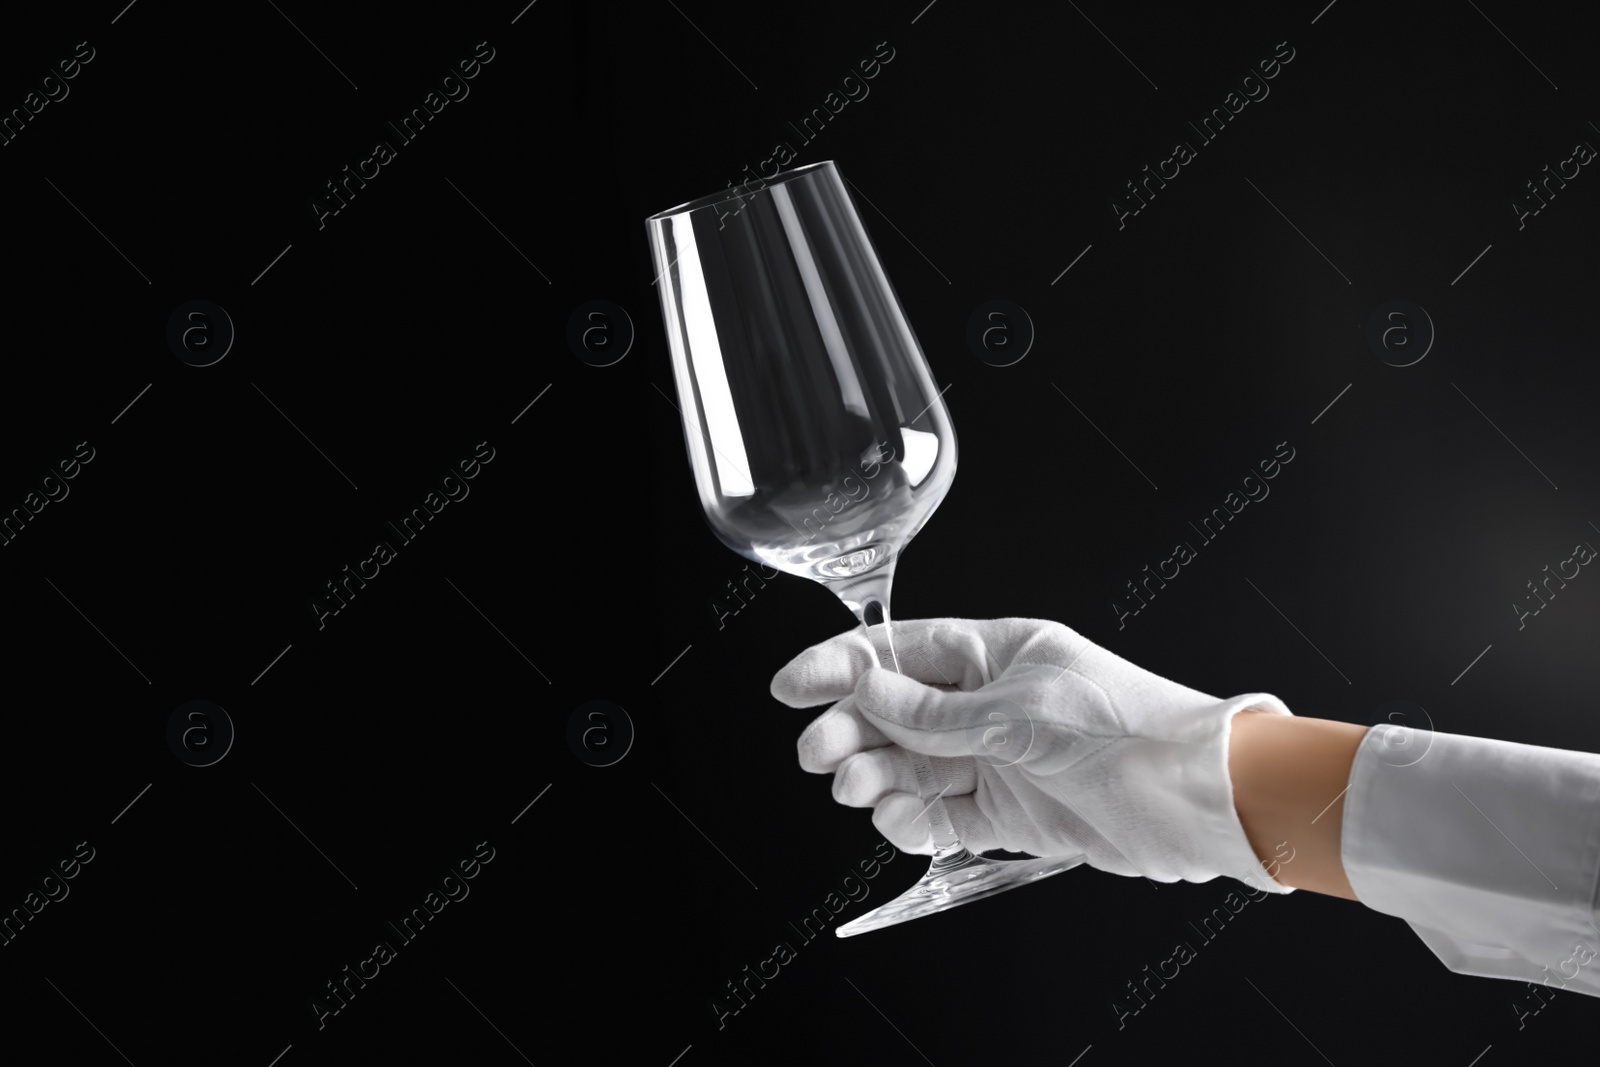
(1053, 642)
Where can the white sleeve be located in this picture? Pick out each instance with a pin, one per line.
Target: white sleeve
(1489, 849)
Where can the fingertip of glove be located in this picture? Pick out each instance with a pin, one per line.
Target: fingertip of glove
(880, 689)
(784, 688)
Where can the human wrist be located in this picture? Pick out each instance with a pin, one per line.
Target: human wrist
(1289, 775)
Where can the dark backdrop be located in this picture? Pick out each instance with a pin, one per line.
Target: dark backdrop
(377, 347)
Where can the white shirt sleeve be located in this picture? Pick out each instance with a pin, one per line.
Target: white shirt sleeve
(1489, 849)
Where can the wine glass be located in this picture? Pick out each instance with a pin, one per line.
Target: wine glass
(819, 440)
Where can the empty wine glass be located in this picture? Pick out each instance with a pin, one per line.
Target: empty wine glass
(819, 441)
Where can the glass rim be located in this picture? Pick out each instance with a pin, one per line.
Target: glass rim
(722, 196)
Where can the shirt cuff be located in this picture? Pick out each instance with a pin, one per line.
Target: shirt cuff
(1489, 849)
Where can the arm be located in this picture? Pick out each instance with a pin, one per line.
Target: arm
(1488, 849)
(1289, 777)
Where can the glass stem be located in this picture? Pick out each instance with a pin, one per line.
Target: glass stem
(867, 596)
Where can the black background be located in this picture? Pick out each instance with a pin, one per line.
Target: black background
(426, 716)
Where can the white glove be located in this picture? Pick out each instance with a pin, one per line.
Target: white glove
(1043, 742)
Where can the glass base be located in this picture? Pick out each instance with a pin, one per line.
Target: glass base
(956, 877)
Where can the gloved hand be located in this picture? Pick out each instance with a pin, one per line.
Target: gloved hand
(1043, 742)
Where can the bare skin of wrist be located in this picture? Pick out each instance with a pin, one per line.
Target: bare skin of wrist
(1289, 775)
